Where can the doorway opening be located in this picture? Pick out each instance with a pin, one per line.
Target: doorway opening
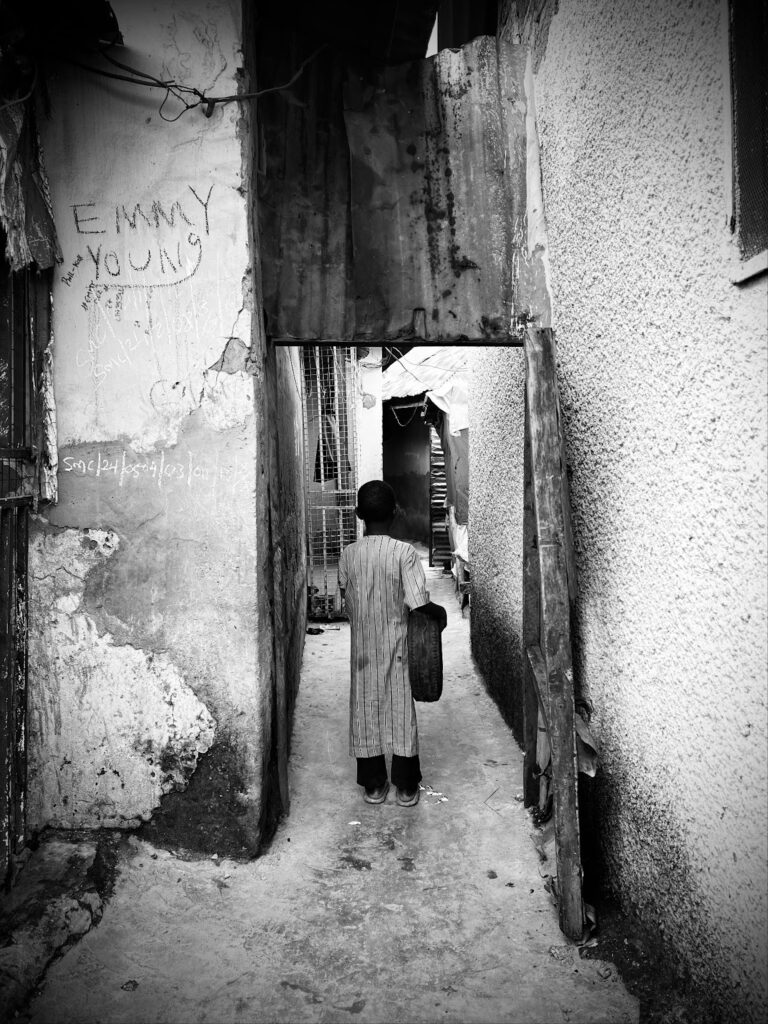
(426, 453)
(406, 450)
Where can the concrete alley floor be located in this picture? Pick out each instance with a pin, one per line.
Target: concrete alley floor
(356, 913)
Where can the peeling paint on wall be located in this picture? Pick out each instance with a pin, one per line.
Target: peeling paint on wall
(156, 398)
(118, 727)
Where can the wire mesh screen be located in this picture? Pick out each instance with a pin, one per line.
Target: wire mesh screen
(330, 446)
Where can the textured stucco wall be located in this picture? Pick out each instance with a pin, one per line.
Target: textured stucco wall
(154, 387)
(662, 370)
(496, 523)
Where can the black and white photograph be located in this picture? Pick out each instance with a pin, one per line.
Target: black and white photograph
(384, 511)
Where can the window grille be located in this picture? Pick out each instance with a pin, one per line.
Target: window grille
(15, 388)
(330, 445)
(16, 489)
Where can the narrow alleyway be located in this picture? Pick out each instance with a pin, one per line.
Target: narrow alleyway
(357, 912)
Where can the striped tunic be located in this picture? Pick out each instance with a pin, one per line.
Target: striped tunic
(382, 578)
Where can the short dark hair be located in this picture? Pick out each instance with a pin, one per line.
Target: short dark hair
(376, 502)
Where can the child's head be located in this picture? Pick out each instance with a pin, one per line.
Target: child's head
(376, 502)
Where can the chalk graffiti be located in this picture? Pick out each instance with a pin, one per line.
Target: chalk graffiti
(130, 255)
(165, 468)
(173, 263)
(140, 247)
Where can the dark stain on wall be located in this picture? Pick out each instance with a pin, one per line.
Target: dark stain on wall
(207, 817)
(496, 650)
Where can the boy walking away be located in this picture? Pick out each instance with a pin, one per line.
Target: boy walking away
(382, 579)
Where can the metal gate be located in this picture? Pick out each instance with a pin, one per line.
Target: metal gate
(16, 489)
(330, 465)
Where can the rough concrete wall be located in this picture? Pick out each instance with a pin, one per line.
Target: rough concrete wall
(496, 523)
(662, 369)
(144, 643)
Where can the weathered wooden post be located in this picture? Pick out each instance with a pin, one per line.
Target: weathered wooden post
(548, 661)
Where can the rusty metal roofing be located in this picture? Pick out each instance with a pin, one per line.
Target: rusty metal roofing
(402, 215)
(303, 189)
(438, 192)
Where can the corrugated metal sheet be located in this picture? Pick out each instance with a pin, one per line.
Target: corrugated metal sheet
(425, 368)
(303, 190)
(438, 194)
(427, 243)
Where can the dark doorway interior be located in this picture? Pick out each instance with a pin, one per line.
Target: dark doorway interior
(406, 458)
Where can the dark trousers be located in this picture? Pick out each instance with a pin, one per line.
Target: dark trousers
(372, 772)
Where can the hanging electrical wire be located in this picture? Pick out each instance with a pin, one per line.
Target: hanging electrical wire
(181, 92)
(410, 419)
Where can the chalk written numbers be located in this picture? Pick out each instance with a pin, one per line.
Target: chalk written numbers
(163, 470)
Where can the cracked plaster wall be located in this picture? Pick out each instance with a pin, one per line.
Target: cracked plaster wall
(155, 648)
(662, 371)
(119, 726)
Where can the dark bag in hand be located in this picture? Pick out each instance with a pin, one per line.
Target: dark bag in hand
(425, 651)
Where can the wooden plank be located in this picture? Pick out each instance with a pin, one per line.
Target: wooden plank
(547, 470)
(538, 668)
(510, 341)
(543, 748)
(570, 556)
(531, 631)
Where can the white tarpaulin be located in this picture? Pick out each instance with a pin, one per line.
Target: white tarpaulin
(452, 398)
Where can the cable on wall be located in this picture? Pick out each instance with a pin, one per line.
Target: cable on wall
(181, 92)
